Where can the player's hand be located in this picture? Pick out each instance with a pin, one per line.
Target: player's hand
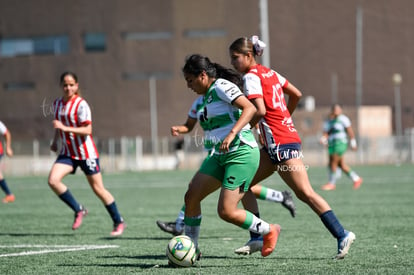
(53, 147)
(225, 145)
(9, 151)
(175, 131)
(323, 140)
(58, 125)
(353, 144)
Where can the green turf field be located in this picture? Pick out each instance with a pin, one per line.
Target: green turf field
(36, 235)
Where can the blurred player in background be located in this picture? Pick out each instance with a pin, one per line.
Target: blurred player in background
(337, 131)
(224, 114)
(282, 150)
(179, 152)
(9, 152)
(73, 126)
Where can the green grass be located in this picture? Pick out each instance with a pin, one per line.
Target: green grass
(380, 214)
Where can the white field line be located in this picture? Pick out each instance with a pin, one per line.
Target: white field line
(52, 249)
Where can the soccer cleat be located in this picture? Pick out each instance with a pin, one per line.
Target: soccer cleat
(8, 198)
(118, 229)
(198, 254)
(270, 240)
(79, 217)
(344, 245)
(252, 246)
(288, 202)
(169, 227)
(357, 183)
(328, 187)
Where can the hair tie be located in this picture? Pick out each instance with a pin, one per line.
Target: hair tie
(258, 45)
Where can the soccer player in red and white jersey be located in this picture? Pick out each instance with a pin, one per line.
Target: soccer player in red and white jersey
(73, 126)
(282, 144)
(3, 185)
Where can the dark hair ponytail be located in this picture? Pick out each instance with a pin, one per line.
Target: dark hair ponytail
(230, 75)
(195, 64)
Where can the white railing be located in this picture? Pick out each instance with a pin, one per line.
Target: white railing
(135, 154)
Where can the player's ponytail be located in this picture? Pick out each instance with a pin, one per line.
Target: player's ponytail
(196, 64)
(229, 74)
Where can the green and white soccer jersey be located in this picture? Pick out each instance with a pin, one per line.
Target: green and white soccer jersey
(337, 135)
(217, 116)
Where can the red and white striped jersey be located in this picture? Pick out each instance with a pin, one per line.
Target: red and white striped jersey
(277, 124)
(75, 113)
(3, 131)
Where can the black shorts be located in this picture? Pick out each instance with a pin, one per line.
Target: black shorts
(88, 166)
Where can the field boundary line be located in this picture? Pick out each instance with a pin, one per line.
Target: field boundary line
(55, 249)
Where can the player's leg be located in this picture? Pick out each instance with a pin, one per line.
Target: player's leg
(266, 169)
(176, 227)
(60, 169)
(334, 159)
(4, 186)
(240, 170)
(238, 175)
(200, 187)
(297, 179)
(356, 179)
(96, 183)
(255, 243)
(228, 211)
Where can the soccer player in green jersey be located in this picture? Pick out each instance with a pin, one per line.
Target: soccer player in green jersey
(224, 114)
(336, 133)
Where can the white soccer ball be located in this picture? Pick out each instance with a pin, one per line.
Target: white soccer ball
(181, 251)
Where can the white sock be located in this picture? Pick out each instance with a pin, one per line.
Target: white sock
(179, 222)
(270, 194)
(192, 228)
(354, 176)
(257, 225)
(332, 177)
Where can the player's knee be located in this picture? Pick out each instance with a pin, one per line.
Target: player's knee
(224, 214)
(189, 198)
(53, 181)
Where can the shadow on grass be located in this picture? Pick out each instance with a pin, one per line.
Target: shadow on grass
(37, 234)
(135, 238)
(156, 266)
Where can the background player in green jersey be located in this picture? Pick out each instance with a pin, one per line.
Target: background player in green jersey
(337, 132)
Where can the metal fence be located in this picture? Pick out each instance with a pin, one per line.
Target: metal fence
(138, 154)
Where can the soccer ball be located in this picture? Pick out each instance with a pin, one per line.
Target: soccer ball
(181, 251)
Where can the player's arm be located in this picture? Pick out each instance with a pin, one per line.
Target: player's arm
(8, 138)
(260, 110)
(294, 97)
(83, 130)
(53, 145)
(352, 140)
(248, 111)
(187, 127)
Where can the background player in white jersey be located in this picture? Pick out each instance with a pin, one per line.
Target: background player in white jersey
(337, 131)
(73, 126)
(224, 114)
(282, 150)
(9, 152)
